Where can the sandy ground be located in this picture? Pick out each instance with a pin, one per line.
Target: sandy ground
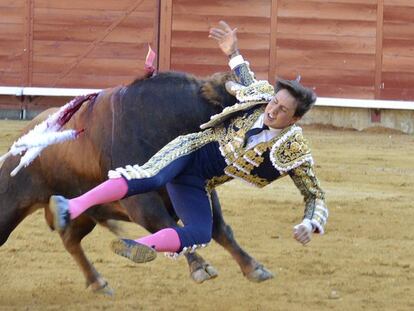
(365, 261)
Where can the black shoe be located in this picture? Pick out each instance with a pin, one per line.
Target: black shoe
(59, 206)
(132, 250)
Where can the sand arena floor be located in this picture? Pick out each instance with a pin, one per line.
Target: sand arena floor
(364, 262)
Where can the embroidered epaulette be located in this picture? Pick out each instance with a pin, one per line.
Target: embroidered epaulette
(228, 112)
(257, 93)
(290, 151)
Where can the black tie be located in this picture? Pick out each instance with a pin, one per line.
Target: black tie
(254, 131)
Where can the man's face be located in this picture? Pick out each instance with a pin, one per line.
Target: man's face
(280, 111)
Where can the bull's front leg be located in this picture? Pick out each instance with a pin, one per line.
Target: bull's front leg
(71, 238)
(223, 234)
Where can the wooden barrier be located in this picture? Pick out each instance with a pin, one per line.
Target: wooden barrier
(322, 101)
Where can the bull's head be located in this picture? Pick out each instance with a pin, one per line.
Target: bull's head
(214, 90)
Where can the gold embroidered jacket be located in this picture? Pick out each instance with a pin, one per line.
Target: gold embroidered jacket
(286, 154)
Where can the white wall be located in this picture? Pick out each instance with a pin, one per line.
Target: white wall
(360, 118)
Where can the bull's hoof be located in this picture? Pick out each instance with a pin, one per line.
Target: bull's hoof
(102, 287)
(259, 274)
(204, 273)
(106, 291)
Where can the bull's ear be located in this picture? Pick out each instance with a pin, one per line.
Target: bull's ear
(214, 90)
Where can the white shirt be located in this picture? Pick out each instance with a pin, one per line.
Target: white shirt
(263, 136)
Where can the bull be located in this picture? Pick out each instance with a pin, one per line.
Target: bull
(123, 125)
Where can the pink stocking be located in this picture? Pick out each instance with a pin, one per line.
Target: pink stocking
(108, 191)
(165, 240)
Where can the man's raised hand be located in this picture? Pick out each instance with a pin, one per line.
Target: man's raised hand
(226, 38)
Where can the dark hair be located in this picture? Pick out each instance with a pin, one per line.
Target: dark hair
(305, 97)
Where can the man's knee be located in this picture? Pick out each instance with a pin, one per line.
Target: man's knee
(203, 236)
(195, 235)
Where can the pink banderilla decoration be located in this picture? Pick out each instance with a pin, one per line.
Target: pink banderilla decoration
(149, 63)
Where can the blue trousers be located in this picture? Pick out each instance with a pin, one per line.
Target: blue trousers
(185, 179)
